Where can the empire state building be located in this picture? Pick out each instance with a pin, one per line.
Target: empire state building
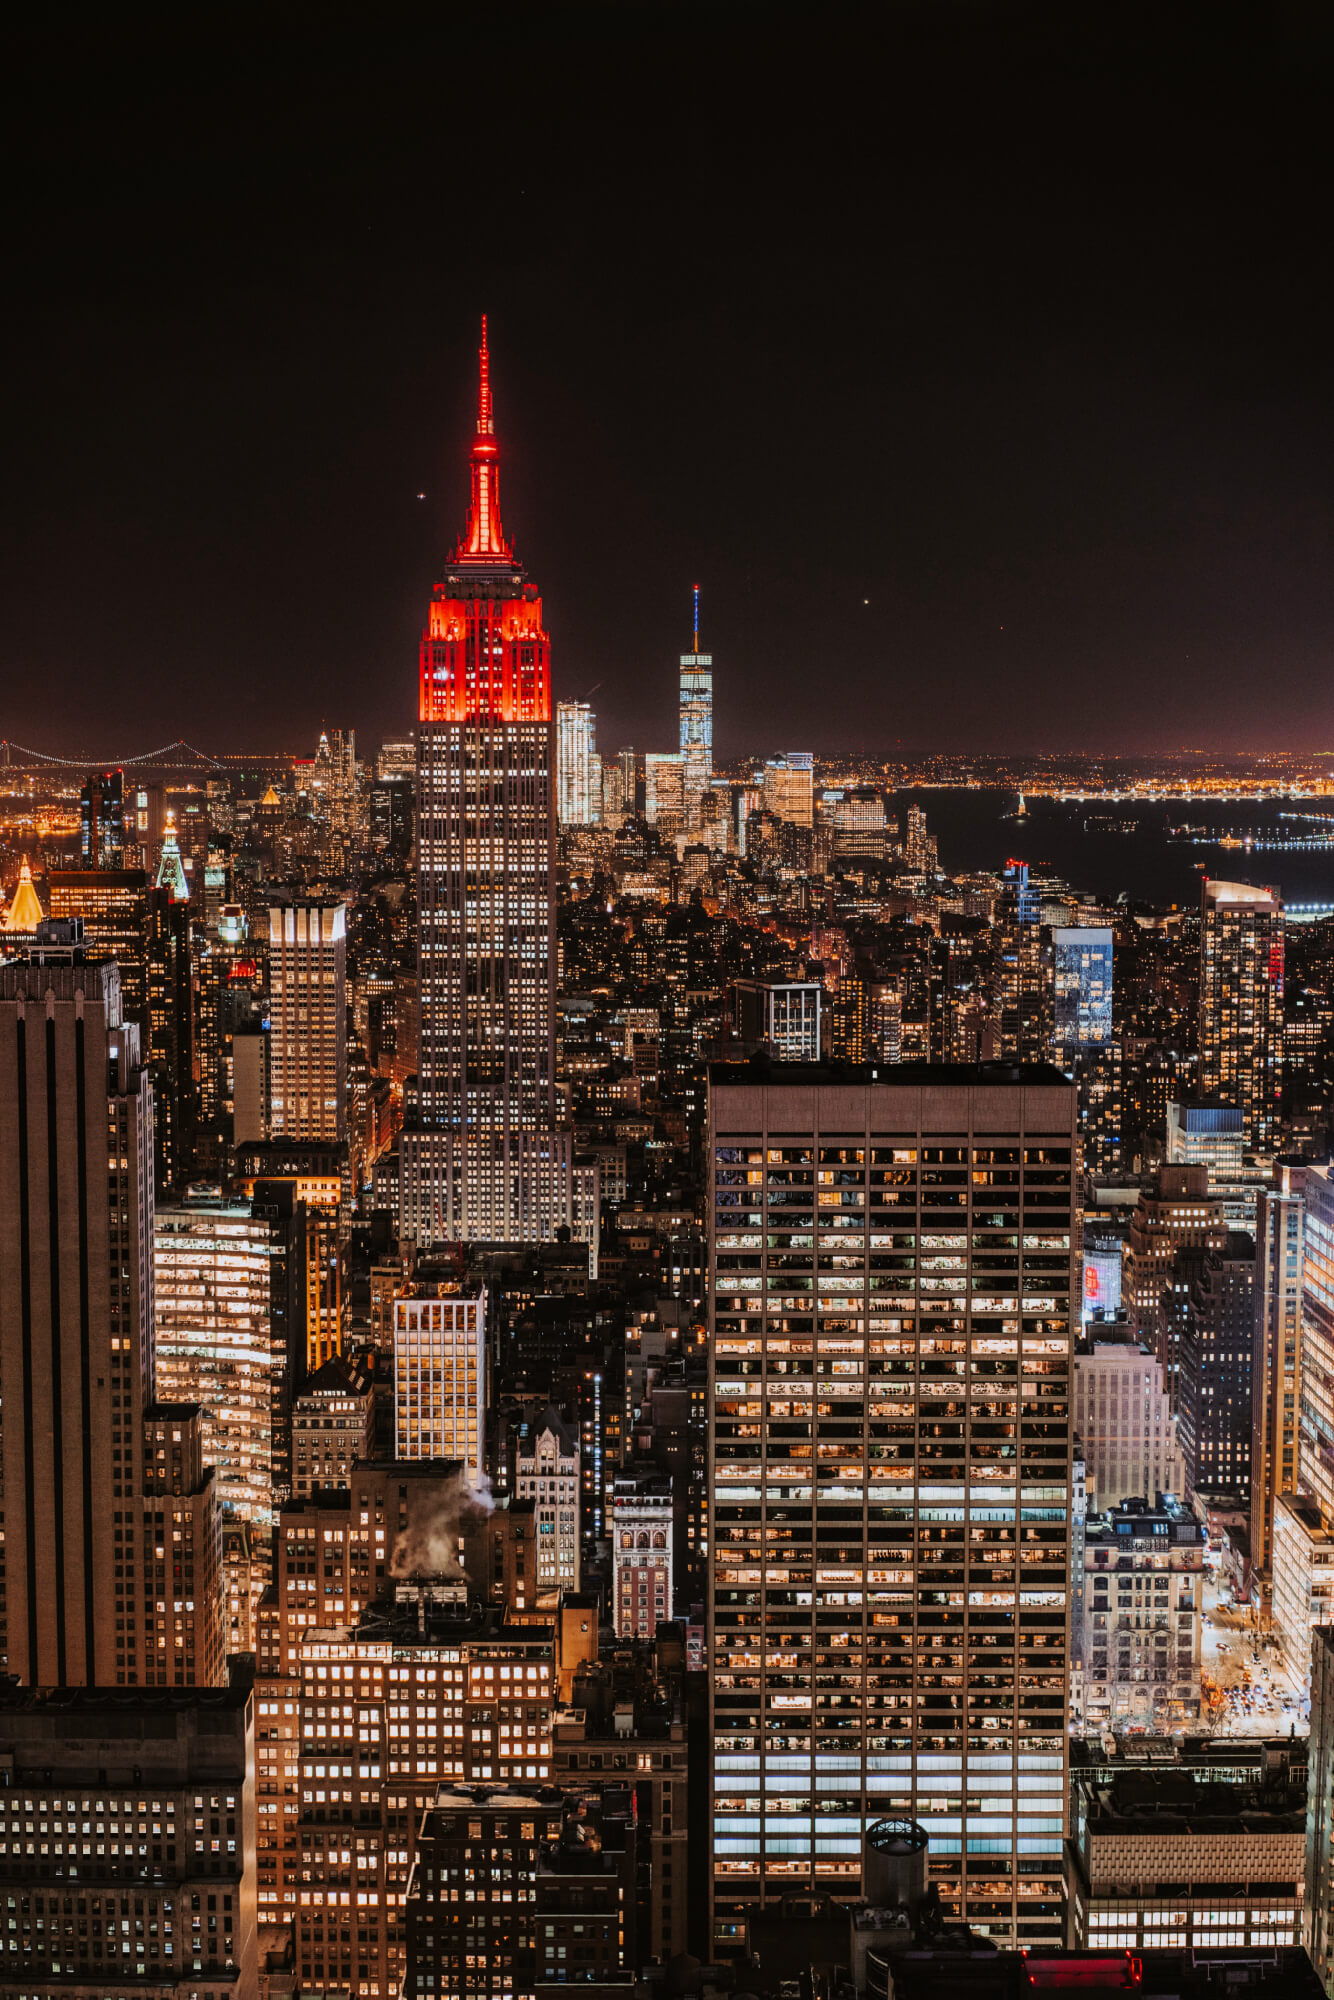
(483, 1160)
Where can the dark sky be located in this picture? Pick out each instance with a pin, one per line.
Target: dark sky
(978, 361)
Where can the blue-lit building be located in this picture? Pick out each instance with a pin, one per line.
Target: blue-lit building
(1082, 966)
(1026, 902)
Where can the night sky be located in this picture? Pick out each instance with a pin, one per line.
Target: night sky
(977, 361)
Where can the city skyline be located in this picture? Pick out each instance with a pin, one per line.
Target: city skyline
(1059, 449)
(667, 1320)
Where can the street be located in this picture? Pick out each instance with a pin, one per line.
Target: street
(1230, 1637)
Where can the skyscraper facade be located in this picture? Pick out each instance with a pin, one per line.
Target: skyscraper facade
(102, 820)
(1280, 1226)
(1082, 971)
(1241, 1003)
(440, 1377)
(112, 1551)
(485, 1160)
(889, 1481)
(696, 725)
(578, 766)
(308, 1021)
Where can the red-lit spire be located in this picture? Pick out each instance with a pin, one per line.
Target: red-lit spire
(484, 539)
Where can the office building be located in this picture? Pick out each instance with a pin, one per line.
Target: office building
(1277, 1378)
(696, 716)
(1123, 1418)
(1318, 1913)
(112, 1549)
(641, 1554)
(787, 787)
(332, 782)
(1082, 976)
(102, 820)
(113, 906)
(1241, 1004)
(889, 1481)
(484, 1160)
(308, 1021)
(1214, 1417)
(1143, 1596)
(1302, 1571)
(784, 1016)
(664, 791)
(1212, 1136)
(170, 1043)
(440, 1376)
(546, 1471)
(127, 1842)
(397, 758)
(578, 766)
(390, 810)
(230, 1336)
(1175, 1216)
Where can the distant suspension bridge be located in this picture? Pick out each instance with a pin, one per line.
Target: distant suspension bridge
(176, 756)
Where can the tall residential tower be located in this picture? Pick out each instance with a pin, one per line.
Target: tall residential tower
(1241, 1004)
(696, 725)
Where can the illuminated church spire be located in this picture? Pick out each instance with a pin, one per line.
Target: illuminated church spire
(484, 538)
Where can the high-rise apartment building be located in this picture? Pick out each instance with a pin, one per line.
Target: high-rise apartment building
(696, 725)
(578, 766)
(1277, 1384)
(893, 1280)
(308, 1021)
(440, 1376)
(485, 1160)
(1241, 1004)
(112, 1551)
